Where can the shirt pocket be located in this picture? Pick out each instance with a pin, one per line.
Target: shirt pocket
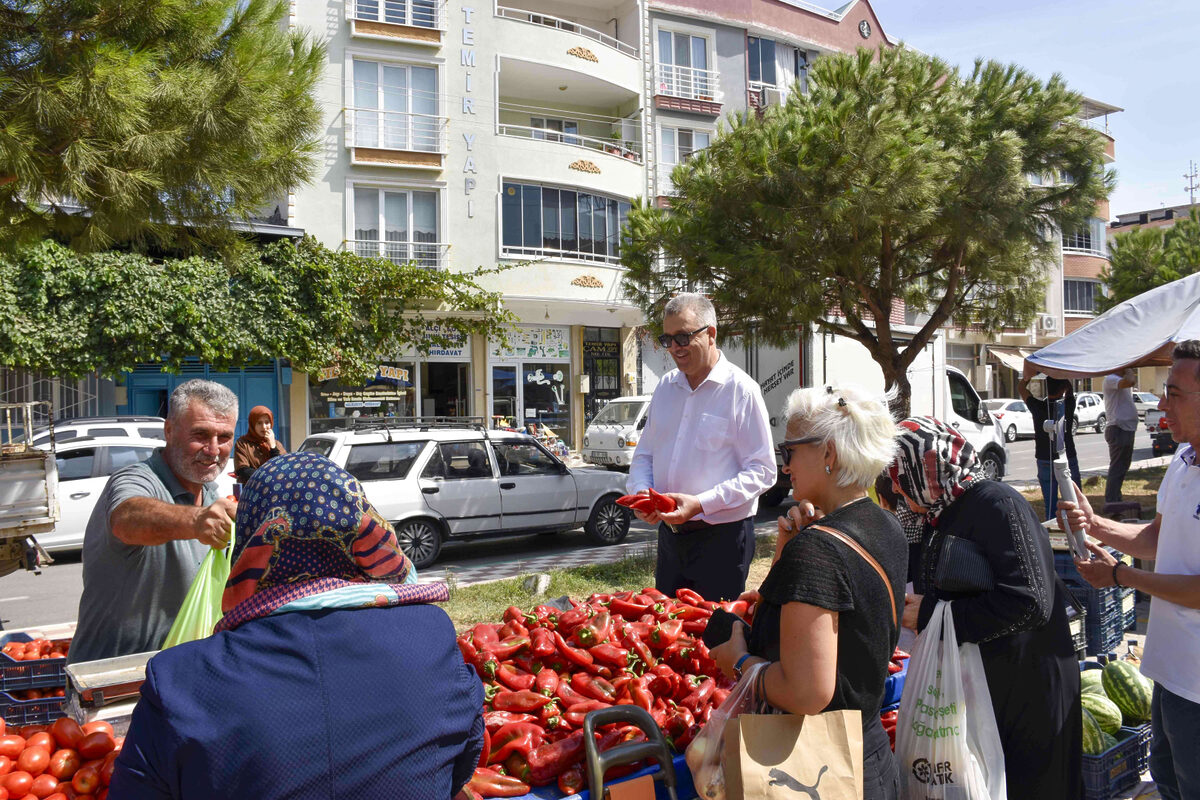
(712, 433)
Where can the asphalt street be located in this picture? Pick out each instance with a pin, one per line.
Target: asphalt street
(1089, 445)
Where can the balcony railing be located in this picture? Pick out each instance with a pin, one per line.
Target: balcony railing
(431, 255)
(417, 13)
(538, 18)
(1083, 251)
(688, 82)
(556, 254)
(395, 130)
(610, 146)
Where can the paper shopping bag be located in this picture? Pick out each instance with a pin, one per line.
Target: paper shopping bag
(786, 755)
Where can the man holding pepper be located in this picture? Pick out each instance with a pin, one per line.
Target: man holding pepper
(707, 446)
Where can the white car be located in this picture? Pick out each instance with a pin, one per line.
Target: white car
(612, 435)
(442, 481)
(1144, 401)
(85, 464)
(135, 426)
(1013, 416)
(1089, 412)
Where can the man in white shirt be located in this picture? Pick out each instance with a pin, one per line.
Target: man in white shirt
(708, 446)
(1122, 418)
(1172, 653)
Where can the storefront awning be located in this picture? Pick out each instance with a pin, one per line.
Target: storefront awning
(1011, 357)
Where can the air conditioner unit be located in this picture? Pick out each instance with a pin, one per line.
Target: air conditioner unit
(771, 95)
(1048, 323)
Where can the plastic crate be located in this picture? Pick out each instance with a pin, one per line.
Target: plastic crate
(893, 687)
(30, 712)
(29, 674)
(1115, 769)
(1064, 565)
(1144, 737)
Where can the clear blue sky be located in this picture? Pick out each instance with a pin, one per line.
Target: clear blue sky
(1140, 56)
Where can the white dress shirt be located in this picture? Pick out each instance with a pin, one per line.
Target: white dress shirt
(713, 441)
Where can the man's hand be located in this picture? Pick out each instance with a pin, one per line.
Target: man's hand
(648, 517)
(686, 507)
(1099, 570)
(214, 522)
(1077, 515)
(912, 610)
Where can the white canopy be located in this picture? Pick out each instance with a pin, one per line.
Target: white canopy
(1139, 332)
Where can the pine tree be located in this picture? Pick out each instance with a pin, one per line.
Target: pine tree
(1144, 258)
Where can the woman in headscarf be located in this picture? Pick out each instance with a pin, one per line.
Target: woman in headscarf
(1020, 623)
(330, 675)
(257, 446)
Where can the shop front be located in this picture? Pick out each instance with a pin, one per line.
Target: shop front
(602, 366)
(530, 375)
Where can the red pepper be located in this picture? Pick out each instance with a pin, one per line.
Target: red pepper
(542, 616)
(487, 747)
(899, 655)
(893, 667)
(609, 653)
(568, 621)
(595, 630)
(513, 628)
(653, 593)
(739, 607)
(719, 696)
(553, 758)
(568, 695)
(665, 633)
(519, 701)
(663, 680)
(678, 654)
(510, 646)
(580, 658)
(678, 722)
(662, 503)
(629, 609)
(594, 687)
(685, 612)
(690, 597)
(484, 634)
(600, 598)
(489, 783)
(526, 662)
(699, 695)
(469, 651)
(546, 682)
(486, 666)
(514, 678)
(577, 712)
(513, 613)
(571, 780)
(638, 502)
(515, 737)
(695, 625)
(541, 643)
(640, 693)
(494, 720)
(638, 647)
(684, 739)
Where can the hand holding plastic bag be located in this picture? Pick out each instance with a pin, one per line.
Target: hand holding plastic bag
(705, 753)
(201, 609)
(947, 743)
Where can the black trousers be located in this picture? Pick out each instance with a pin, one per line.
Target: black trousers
(712, 561)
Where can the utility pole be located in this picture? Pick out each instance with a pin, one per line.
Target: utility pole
(1191, 187)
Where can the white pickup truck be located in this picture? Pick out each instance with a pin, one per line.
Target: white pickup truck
(28, 486)
(1161, 440)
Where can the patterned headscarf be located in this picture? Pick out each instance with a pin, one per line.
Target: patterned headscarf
(936, 465)
(305, 529)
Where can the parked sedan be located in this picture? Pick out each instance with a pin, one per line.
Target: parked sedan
(1144, 401)
(1089, 412)
(1013, 416)
(439, 483)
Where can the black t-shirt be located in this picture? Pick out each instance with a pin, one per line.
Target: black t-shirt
(817, 569)
(1039, 409)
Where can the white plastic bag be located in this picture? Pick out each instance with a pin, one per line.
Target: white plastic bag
(947, 743)
(704, 755)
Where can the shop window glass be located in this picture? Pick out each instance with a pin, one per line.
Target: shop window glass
(546, 389)
(391, 393)
(445, 388)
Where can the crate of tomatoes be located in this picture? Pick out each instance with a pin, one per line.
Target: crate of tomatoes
(63, 758)
(543, 670)
(28, 663)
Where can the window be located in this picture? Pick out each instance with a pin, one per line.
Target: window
(385, 461)
(106, 432)
(124, 455)
(525, 459)
(58, 437)
(395, 107)
(761, 54)
(408, 221)
(459, 461)
(678, 144)
(683, 66)
(75, 465)
(556, 130)
(1079, 296)
(963, 399)
(152, 433)
(801, 69)
(543, 220)
(1089, 238)
(420, 13)
(320, 446)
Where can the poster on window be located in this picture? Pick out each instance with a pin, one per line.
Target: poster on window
(535, 341)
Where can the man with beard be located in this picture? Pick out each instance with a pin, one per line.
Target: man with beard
(153, 525)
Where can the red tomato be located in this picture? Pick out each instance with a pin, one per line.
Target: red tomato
(34, 760)
(44, 785)
(30, 730)
(98, 725)
(96, 745)
(57, 796)
(3, 793)
(12, 746)
(18, 783)
(86, 780)
(66, 732)
(6, 766)
(41, 739)
(119, 742)
(106, 768)
(64, 763)
(3, 724)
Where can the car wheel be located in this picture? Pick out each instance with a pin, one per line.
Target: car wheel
(775, 495)
(1101, 421)
(609, 522)
(1074, 425)
(420, 540)
(989, 465)
(1010, 435)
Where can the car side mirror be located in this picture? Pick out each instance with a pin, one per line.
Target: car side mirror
(562, 469)
(641, 423)
(982, 416)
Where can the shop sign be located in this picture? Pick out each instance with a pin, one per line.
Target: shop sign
(458, 350)
(535, 341)
(602, 349)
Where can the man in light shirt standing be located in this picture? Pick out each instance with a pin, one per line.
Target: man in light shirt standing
(708, 446)
(1122, 418)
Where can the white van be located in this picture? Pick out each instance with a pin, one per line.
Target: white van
(613, 434)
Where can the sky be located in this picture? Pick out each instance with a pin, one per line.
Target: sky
(1140, 56)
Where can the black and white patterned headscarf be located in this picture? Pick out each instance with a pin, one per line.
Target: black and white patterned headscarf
(936, 465)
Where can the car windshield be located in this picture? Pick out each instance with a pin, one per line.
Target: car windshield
(618, 413)
(321, 446)
(994, 405)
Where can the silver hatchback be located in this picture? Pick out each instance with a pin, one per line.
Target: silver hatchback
(435, 483)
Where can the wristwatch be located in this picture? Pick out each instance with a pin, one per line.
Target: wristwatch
(737, 668)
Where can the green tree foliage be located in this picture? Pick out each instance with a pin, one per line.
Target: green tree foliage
(70, 314)
(121, 118)
(894, 180)
(1144, 258)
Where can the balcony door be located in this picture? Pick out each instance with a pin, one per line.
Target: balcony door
(398, 225)
(396, 106)
(683, 65)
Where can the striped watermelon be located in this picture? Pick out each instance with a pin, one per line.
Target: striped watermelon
(1126, 687)
(1093, 737)
(1110, 741)
(1089, 681)
(1104, 711)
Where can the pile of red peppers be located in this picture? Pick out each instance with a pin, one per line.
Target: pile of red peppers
(888, 718)
(545, 669)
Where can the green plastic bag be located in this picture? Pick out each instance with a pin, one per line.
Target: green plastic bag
(201, 609)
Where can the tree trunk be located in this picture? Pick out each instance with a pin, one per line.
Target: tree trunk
(896, 379)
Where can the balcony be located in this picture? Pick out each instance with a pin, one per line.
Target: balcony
(417, 21)
(428, 255)
(687, 89)
(395, 138)
(546, 20)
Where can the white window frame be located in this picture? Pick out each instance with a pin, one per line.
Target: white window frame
(710, 49)
(774, 61)
(675, 130)
(552, 135)
(1097, 289)
(437, 189)
(356, 10)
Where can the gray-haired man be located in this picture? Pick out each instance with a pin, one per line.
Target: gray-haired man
(152, 526)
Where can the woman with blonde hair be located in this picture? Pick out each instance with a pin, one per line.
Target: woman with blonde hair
(827, 620)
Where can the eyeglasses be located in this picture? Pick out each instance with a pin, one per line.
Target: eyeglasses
(1170, 393)
(785, 447)
(681, 339)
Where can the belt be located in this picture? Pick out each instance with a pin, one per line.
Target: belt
(693, 525)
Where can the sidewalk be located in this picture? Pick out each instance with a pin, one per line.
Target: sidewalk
(1160, 461)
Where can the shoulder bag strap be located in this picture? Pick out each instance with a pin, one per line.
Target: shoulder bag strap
(858, 548)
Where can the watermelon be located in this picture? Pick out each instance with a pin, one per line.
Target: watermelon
(1104, 711)
(1110, 741)
(1125, 686)
(1089, 681)
(1093, 737)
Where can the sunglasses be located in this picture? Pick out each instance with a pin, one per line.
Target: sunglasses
(785, 447)
(681, 339)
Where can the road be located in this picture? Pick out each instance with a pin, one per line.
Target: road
(28, 600)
